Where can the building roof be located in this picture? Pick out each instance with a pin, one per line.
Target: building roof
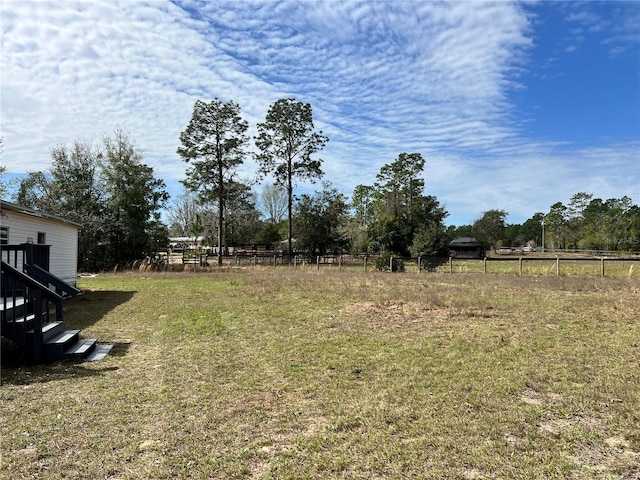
(12, 207)
(465, 242)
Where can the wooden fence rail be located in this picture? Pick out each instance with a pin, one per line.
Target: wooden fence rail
(632, 262)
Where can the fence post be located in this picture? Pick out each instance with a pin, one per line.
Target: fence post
(484, 265)
(419, 264)
(255, 260)
(340, 262)
(318, 261)
(451, 265)
(391, 264)
(365, 263)
(602, 266)
(520, 265)
(557, 266)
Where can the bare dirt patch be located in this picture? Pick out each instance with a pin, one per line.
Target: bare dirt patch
(415, 316)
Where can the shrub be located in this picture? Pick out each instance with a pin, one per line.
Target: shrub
(382, 264)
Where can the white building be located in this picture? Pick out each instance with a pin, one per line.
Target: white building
(20, 225)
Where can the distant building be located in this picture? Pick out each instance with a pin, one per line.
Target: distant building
(466, 247)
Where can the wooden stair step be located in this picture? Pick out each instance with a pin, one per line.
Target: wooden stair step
(80, 348)
(21, 319)
(63, 337)
(55, 347)
(51, 329)
(98, 353)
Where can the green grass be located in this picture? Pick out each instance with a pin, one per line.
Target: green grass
(277, 373)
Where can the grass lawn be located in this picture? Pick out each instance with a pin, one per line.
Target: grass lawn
(282, 373)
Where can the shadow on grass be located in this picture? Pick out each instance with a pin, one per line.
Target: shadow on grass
(17, 370)
(87, 309)
(26, 375)
(49, 373)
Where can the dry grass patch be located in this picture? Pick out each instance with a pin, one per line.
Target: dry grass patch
(276, 373)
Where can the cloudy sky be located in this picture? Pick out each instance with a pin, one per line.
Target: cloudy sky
(514, 106)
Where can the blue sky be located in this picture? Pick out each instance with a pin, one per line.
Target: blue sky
(514, 106)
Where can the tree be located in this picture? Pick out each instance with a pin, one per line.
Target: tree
(531, 230)
(135, 198)
(286, 142)
(399, 185)
(556, 226)
(213, 143)
(490, 228)
(362, 201)
(72, 189)
(400, 208)
(430, 242)
(388, 235)
(319, 221)
(197, 228)
(182, 213)
(274, 202)
(243, 219)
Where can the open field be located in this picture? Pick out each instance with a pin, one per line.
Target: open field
(282, 373)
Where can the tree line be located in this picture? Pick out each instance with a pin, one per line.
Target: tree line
(585, 223)
(117, 199)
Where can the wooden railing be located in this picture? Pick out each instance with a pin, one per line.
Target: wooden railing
(22, 298)
(26, 253)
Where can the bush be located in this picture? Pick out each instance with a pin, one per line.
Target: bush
(431, 264)
(382, 264)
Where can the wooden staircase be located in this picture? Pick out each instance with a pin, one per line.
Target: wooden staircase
(31, 316)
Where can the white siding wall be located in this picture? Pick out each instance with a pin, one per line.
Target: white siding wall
(63, 238)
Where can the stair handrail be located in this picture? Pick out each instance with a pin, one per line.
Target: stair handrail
(45, 277)
(6, 267)
(35, 294)
(36, 285)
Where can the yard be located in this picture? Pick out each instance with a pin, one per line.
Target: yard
(282, 373)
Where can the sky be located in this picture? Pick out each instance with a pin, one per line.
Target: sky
(514, 106)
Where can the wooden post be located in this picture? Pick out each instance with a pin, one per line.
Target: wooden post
(318, 261)
(484, 265)
(602, 266)
(520, 262)
(255, 260)
(365, 263)
(340, 262)
(451, 265)
(391, 264)
(419, 264)
(557, 266)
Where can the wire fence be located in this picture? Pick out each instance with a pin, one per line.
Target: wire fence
(514, 265)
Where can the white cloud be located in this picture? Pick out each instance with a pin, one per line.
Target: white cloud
(382, 77)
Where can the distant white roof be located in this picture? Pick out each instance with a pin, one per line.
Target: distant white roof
(185, 239)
